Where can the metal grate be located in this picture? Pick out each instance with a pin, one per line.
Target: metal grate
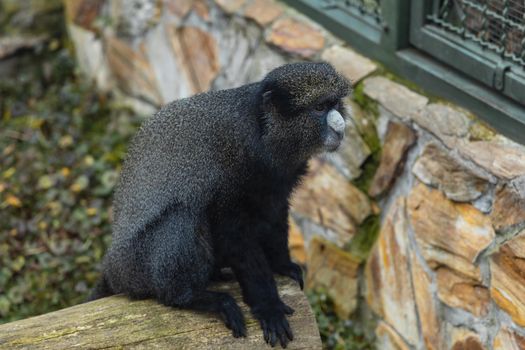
(496, 25)
(371, 8)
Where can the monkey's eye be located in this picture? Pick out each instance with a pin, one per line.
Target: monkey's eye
(320, 107)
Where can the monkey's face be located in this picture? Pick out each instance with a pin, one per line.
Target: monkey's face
(304, 132)
(332, 124)
(305, 103)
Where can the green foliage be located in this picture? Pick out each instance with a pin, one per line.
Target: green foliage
(61, 145)
(337, 334)
(38, 17)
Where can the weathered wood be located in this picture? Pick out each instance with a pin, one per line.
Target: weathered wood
(116, 322)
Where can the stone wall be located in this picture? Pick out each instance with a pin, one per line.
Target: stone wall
(421, 213)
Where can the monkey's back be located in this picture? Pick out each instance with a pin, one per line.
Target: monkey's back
(182, 155)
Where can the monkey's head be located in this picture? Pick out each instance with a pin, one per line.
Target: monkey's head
(303, 109)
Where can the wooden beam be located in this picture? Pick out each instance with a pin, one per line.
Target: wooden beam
(116, 322)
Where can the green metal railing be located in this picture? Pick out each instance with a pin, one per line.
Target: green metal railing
(370, 8)
(482, 38)
(469, 51)
(498, 26)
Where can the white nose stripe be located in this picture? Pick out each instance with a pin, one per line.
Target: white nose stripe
(336, 121)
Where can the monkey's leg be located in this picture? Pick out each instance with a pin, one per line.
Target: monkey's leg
(218, 275)
(181, 262)
(260, 292)
(277, 251)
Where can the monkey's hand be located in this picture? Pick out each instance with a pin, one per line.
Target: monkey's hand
(273, 322)
(293, 271)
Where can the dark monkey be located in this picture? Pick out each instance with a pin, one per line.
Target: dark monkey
(206, 185)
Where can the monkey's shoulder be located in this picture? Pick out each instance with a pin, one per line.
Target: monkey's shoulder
(209, 122)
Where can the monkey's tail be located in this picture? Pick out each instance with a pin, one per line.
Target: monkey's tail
(100, 290)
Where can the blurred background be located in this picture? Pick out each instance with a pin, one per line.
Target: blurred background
(412, 234)
(61, 143)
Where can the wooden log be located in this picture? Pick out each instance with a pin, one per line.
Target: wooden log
(118, 323)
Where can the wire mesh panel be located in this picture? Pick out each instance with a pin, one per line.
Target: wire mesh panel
(469, 51)
(371, 8)
(495, 25)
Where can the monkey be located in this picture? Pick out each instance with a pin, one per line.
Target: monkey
(206, 185)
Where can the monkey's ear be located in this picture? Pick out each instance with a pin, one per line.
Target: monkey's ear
(267, 100)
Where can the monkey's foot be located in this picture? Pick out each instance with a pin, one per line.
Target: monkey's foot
(232, 316)
(293, 271)
(274, 324)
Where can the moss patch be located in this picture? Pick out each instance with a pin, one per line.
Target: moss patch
(365, 238)
(480, 131)
(414, 87)
(368, 170)
(366, 115)
(365, 102)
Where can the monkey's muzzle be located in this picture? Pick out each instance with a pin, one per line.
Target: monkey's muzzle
(336, 130)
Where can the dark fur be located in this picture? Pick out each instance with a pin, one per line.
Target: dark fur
(206, 185)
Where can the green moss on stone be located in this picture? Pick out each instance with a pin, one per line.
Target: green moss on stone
(414, 87)
(365, 114)
(365, 238)
(480, 131)
(368, 170)
(365, 102)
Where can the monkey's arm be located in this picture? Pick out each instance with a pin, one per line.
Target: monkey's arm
(259, 290)
(276, 247)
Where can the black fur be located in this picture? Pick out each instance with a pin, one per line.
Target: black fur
(206, 185)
